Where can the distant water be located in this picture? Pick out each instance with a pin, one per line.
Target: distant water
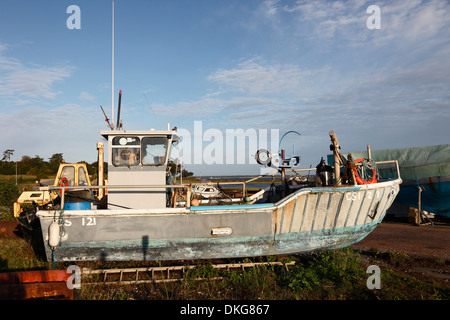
(245, 178)
(237, 178)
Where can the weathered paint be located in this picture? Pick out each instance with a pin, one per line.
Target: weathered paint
(309, 219)
(212, 248)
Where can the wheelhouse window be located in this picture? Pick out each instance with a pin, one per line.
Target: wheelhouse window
(125, 151)
(154, 151)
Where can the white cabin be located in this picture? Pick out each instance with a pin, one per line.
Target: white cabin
(138, 158)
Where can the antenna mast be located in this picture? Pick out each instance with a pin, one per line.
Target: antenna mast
(112, 90)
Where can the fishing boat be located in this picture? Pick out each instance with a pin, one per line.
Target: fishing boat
(425, 174)
(138, 219)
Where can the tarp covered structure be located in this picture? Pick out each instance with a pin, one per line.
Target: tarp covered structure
(426, 166)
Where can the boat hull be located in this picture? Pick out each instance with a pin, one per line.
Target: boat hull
(310, 219)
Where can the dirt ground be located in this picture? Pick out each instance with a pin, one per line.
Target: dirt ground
(428, 247)
(430, 241)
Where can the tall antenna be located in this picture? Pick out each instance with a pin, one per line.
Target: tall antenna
(112, 90)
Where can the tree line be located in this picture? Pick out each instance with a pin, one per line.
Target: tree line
(42, 169)
(37, 166)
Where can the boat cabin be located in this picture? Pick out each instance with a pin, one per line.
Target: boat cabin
(138, 158)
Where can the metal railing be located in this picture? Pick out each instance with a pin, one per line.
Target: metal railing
(188, 187)
(63, 189)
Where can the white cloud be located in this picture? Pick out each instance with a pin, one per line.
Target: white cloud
(205, 105)
(20, 81)
(255, 77)
(269, 7)
(86, 96)
(69, 129)
(403, 21)
(417, 20)
(33, 82)
(383, 85)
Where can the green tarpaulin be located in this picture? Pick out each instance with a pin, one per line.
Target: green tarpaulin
(415, 163)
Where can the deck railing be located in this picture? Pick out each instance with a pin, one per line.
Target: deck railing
(188, 187)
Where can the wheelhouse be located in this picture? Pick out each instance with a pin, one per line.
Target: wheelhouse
(138, 158)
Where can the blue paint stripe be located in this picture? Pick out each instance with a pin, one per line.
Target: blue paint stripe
(334, 189)
(233, 207)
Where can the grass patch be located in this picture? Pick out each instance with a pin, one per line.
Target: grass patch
(16, 254)
(328, 275)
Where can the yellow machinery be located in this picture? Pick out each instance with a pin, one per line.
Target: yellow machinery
(69, 174)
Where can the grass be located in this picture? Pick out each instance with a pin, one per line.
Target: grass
(16, 254)
(328, 275)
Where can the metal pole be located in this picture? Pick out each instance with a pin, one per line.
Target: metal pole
(100, 177)
(337, 168)
(419, 213)
(118, 111)
(188, 197)
(62, 198)
(112, 81)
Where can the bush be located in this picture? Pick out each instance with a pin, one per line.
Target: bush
(8, 194)
(339, 269)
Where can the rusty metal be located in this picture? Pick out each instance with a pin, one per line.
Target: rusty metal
(10, 228)
(46, 284)
(39, 290)
(33, 276)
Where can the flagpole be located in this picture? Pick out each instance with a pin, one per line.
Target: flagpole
(112, 86)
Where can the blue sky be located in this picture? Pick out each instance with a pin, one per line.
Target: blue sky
(308, 66)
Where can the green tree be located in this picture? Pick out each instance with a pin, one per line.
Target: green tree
(8, 193)
(7, 154)
(54, 162)
(25, 165)
(7, 167)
